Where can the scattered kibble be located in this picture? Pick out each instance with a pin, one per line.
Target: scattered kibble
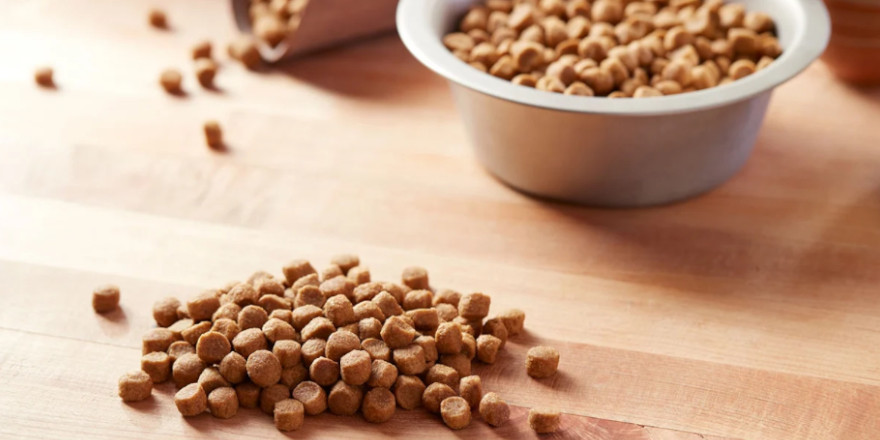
(614, 48)
(201, 49)
(105, 299)
(541, 361)
(213, 135)
(44, 77)
(158, 19)
(191, 400)
(245, 50)
(171, 81)
(456, 412)
(206, 69)
(544, 420)
(289, 415)
(494, 410)
(223, 402)
(135, 386)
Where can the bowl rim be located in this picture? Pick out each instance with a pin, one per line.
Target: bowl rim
(807, 44)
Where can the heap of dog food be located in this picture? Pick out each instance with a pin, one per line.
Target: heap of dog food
(615, 48)
(335, 340)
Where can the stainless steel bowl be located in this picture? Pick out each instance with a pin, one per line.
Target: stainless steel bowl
(613, 152)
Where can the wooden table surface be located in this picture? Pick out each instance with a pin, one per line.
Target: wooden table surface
(751, 312)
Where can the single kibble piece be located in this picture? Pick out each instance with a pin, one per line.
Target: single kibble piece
(271, 395)
(382, 374)
(446, 296)
(417, 299)
(425, 320)
(447, 312)
(263, 368)
(339, 285)
(212, 347)
(202, 49)
(345, 261)
(487, 348)
(359, 275)
(43, 76)
(187, 369)
(324, 371)
(312, 396)
(468, 346)
(157, 339)
(442, 374)
(284, 315)
(410, 359)
(456, 412)
(165, 311)
(344, 399)
(541, 361)
(471, 389)
(288, 352)
(435, 394)
(304, 314)
(178, 349)
(203, 306)
(213, 134)
(378, 405)
(292, 376)
(474, 306)
(195, 331)
(397, 333)
(223, 403)
(171, 81)
(229, 310)
(460, 362)
(494, 410)
(544, 420)
(277, 330)
(206, 70)
(429, 345)
(355, 367)
(313, 349)
(377, 349)
(297, 269)
(248, 395)
(135, 386)
(416, 277)
(180, 326)
(330, 272)
(244, 294)
(495, 327)
(191, 400)
(320, 328)
(226, 327)
(387, 304)
(339, 310)
(368, 309)
(157, 365)
(233, 368)
(408, 391)
(105, 299)
(289, 415)
(448, 337)
(249, 341)
(513, 320)
(158, 19)
(211, 379)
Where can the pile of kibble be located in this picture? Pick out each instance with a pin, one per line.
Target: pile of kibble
(273, 20)
(336, 340)
(615, 48)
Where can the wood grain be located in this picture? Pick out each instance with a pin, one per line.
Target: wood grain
(749, 313)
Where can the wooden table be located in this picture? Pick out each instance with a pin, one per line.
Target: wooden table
(751, 312)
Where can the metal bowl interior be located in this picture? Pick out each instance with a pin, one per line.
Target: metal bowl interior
(803, 27)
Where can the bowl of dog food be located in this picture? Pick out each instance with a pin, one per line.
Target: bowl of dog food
(611, 102)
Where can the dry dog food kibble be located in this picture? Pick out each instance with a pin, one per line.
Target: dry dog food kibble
(206, 69)
(456, 412)
(542, 361)
(289, 415)
(191, 400)
(298, 346)
(544, 420)
(135, 386)
(201, 49)
(158, 19)
(614, 48)
(43, 76)
(105, 299)
(494, 410)
(171, 81)
(213, 135)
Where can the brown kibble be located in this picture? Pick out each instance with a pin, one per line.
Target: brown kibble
(415, 277)
(312, 396)
(474, 306)
(277, 330)
(318, 328)
(297, 269)
(203, 306)
(283, 315)
(387, 304)
(521, 17)
(378, 405)
(105, 299)
(312, 349)
(579, 89)
(382, 374)
(359, 275)
(544, 420)
(263, 368)
(171, 81)
(330, 272)
(495, 327)
(157, 365)
(487, 348)
(667, 87)
(367, 291)
(178, 349)
(732, 15)
(339, 311)
(494, 410)
(455, 411)
(541, 361)
(324, 371)
(158, 19)
(526, 54)
(44, 77)
(429, 346)
(355, 367)
(292, 376)
(226, 327)
(344, 399)
(417, 299)
(397, 333)
(743, 41)
(302, 315)
(269, 286)
(135, 386)
(248, 395)
(233, 368)
(345, 261)
(223, 403)
(443, 374)
(424, 320)
(192, 333)
(646, 92)
(191, 400)
(408, 391)
(741, 68)
(609, 11)
(248, 341)
(206, 70)
(458, 41)
(758, 22)
(410, 359)
(201, 49)
(763, 63)
(211, 379)
(271, 395)
(157, 339)
(187, 369)
(435, 394)
(446, 312)
(377, 349)
(244, 295)
(514, 320)
(289, 415)
(165, 311)
(476, 18)
(460, 362)
(288, 352)
(309, 295)
(369, 328)
(468, 345)
(368, 309)
(212, 347)
(471, 389)
(229, 311)
(598, 79)
(504, 68)
(447, 296)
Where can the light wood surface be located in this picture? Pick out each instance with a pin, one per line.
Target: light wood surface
(751, 312)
